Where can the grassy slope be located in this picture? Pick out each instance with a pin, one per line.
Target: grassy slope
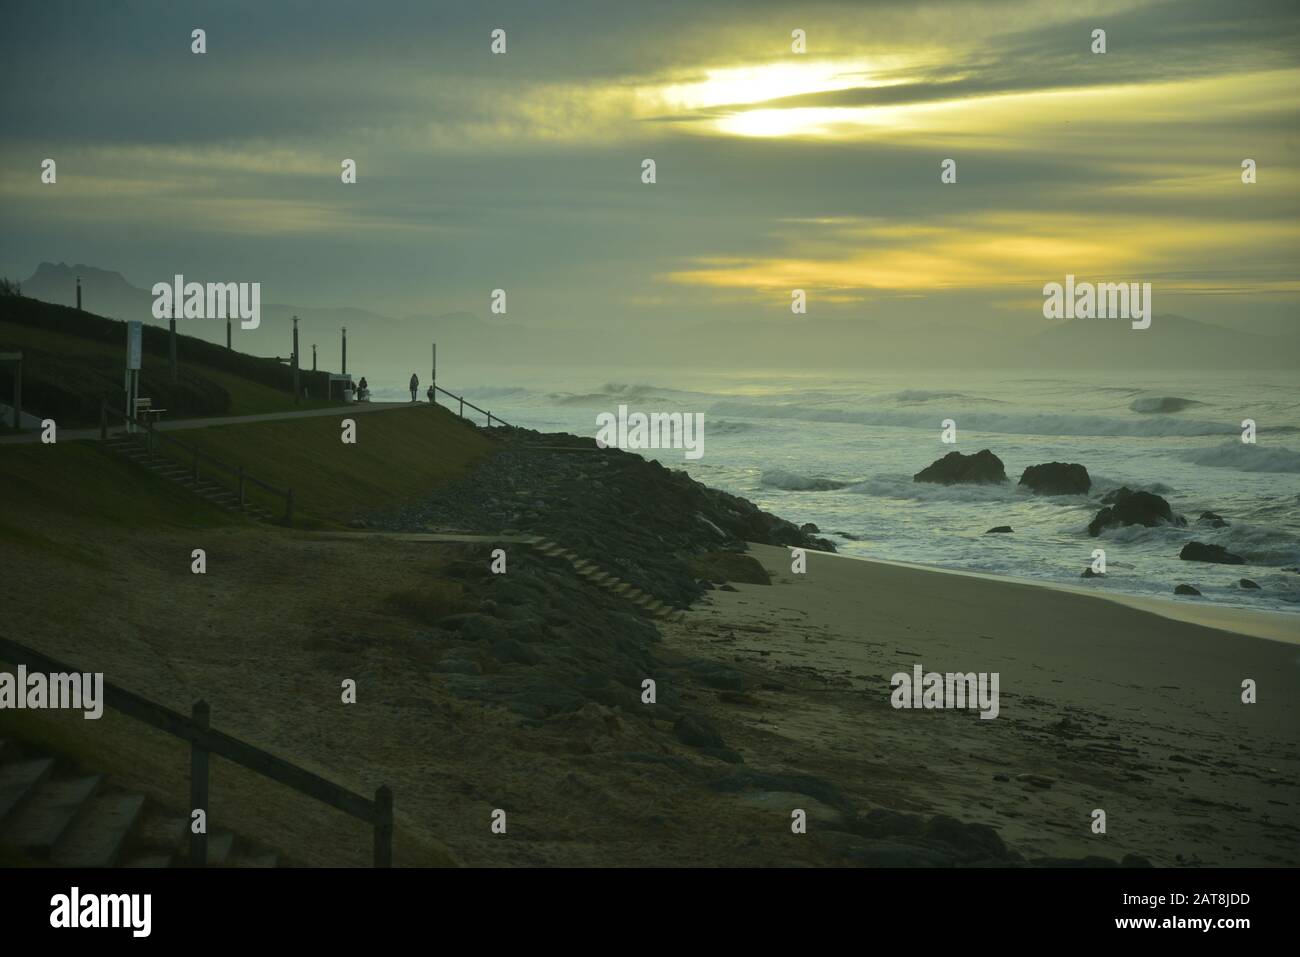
(398, 455)
(57, 502)
(73, 352)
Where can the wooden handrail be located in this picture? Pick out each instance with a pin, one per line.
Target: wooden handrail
(235, 470)
(204, 740)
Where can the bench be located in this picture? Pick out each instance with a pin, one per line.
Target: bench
(144, 408)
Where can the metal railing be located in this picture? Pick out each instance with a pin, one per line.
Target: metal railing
(152, 435)
(463, 402)
(204, 741)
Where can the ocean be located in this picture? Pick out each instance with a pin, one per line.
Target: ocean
(839, 450)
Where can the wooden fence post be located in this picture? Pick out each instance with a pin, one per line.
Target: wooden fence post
(199, 715)
(383, 827)
(462, 407)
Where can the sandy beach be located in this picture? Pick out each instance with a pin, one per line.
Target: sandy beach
(1103, 705)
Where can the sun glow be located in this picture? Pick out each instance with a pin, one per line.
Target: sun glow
(772, 81)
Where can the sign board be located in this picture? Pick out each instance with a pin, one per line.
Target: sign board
(133, 347)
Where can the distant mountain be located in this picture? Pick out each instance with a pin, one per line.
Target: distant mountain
(379, 344)
(375, 342)
(103, 292)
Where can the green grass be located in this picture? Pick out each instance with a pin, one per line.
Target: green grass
(84, 487)
(74, 364)
(399, 455)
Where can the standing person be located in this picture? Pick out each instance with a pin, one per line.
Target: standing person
(363, 392)
(430, 393)
(415, 385)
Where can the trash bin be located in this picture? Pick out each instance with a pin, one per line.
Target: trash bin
(347, 395)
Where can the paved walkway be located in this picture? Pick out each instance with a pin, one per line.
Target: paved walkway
(176, 425)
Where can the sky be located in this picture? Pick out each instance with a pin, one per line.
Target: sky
(775, 169)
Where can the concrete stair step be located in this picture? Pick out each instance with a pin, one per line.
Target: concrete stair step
(19, 780)
(161, 831)
(220, 845)
(97, 836)
(48, 813)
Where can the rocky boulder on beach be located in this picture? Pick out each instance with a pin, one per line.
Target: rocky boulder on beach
(1057, 478)
(1133, 508)
(957, 469)
(1200, 552)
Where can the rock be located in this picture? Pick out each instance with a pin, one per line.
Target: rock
(730, 566)
(716, 675)
(458, 666)
(973, 842)
(475, 627)
(955, 468)
(847, 535)
(1089, 573)
(1247, 583)
(891, 854)
(1200, 552)
(509, 651)
(727, 588)
(809, 528)
(698, 732)
(1212, 520)
(1035, 780)
(1132, 508)
(1057, 478)
(1134, 860)
(1185, 589)
(884, 822)
(527, 630)
(999, 530)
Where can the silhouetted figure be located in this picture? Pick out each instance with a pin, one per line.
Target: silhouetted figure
(415, 386)
(363, 390)
(429, 393)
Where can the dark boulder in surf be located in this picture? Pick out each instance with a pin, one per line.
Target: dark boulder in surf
(1133, 508)
(1057, 478)
(957, 469)
(1186, 590)
(1200, 552)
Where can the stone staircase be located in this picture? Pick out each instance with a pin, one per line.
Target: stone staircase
(169, 468)
(606, 580)
(58, 816)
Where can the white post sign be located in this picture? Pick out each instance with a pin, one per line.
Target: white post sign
(133, 339)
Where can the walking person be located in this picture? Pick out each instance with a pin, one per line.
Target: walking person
(415, 386)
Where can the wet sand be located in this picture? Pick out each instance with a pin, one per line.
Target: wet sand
(1102, 706)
